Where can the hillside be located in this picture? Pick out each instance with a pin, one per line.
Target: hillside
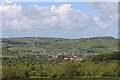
(44, 44)
(84, 58)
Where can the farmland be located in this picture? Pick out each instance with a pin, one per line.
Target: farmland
(95, 44)
(42, 57)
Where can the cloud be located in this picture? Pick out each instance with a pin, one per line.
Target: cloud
(99, 22)
(11, 11)
(36, 17)
(109, 10)
(105, 7)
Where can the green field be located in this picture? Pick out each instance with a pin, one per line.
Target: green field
(17, 64)
(94, 45)
(25, 49)
(8, 56)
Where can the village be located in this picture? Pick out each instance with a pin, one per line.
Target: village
(76, 56)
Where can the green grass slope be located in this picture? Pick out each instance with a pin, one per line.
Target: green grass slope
(40, 44)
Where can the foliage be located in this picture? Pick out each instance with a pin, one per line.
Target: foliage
(44, 66)
(102, 57)
(23, 68)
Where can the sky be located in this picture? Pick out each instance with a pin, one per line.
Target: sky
(71, 20)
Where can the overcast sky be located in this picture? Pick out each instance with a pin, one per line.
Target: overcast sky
(60, 20)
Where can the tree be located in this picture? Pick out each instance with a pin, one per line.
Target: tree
(68, 69)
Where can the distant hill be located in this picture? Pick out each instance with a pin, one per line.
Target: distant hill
(45, 44)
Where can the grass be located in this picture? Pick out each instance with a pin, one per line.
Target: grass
(26, 49)
(97, 45)
(9, 56)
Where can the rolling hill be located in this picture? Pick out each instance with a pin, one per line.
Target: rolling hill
(45, 44)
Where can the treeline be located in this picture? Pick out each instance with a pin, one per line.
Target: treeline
(66, 69)
(102, 57)
(29, 59)
(103, 65)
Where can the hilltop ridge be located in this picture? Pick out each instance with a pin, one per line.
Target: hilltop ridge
(45, 44)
